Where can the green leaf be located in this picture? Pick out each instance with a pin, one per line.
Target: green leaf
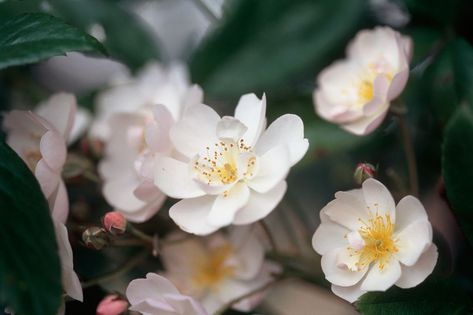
(127, 38)
(264, 44)
(434, 296)
(463, 67)
(30, 273)
(457, 170)
(31, 37)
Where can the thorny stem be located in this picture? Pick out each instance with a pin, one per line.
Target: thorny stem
(224, 308)
(130, 264)
(270, 237)
(400, 114)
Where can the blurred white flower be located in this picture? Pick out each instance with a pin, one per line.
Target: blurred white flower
(231, 171)
(153, 85)
(221, 269)
(40, 140)
(157, 295)
(356, 92)
(140, 114)
(368, 243)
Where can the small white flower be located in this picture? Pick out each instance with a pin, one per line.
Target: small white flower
(231, 171)
(153, 85)
(157, 295)
(356, 92)
(140, 132)
(40, 140)
(368, 243)
(218, 269)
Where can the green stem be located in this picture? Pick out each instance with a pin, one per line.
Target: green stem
(400, 114)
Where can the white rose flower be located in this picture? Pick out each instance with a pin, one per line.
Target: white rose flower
(356, 92)
(140, 133)
(153, 85)
(222, 268)
(368, 243)
(231, 171)
(157, 295)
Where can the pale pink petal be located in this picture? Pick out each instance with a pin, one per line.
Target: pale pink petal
(59, 110)
(273, 168)
(350, 294)
(378, 199)
(381, 85)
(195, 131)
(249, 252)
(119, 192)
(157, 132)
(70, 281)
(191, 215)
(329, 236)
(230, 128)
(408, 210)
(398, 84)
(367, 124)
(287, 130)
(226, 205)
(59, 203)
(260, 205)
(337, 274)
(347, 210)
(414, 275)
(48, 178)
(152, 288)
(412, 241)
(53, 149)
(381, 279)
(174, 178)
(251, 111)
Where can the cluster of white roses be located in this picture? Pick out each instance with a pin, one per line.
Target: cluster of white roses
(161, 140)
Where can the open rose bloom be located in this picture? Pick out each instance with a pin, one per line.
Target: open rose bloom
(221, 268)
(356, 92)
(230, 170)
(368, 243)
(140, 133)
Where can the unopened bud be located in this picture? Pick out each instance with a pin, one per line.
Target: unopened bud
(95, 237)
(363, 171)
(112, 305)
(114, 222)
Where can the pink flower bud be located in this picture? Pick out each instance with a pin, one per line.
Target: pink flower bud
(112, 305)
(363, 171)
(115, 223)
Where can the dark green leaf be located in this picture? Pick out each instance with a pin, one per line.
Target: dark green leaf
(267, 43)
(127, 39)
(463, 67)
(31, 37)
(457, 170)
(433, 297)
(30, 274)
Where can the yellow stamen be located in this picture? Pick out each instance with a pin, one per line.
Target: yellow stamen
(213, 269)
(377, 235)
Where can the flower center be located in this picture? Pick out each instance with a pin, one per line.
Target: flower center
(214, 268)
(220, 163)
(365, 91)
(379, 244)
